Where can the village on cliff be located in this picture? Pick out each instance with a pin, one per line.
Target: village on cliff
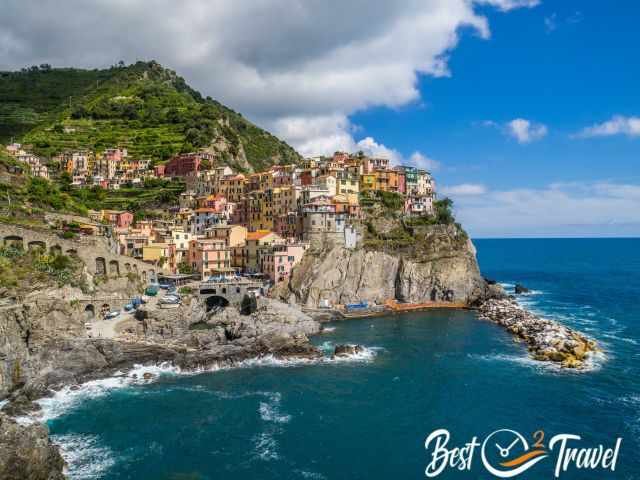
(229, 223)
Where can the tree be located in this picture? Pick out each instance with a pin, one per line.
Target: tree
(65, 181)
(249, 305)
(184, 268)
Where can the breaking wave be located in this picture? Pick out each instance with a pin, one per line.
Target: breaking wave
(85, 458)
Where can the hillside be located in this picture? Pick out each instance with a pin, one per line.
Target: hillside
(143, 107)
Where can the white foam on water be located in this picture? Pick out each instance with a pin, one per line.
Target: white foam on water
(69, 397)
(85, 458)
(270, 410)
(328, 330)
(266, 447)
(592, 362)
(310, 475)
(621, 339)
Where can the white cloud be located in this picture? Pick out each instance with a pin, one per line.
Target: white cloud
(369, 146)
(551, 22)
(524, 131)
(299, 68)
(464, 189)
(560, 209)
(420, 160)
(618, 125)
(506, 5)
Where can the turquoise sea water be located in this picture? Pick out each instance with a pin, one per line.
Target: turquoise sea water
(368, 417)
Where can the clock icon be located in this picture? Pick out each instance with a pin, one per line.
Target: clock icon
(506, 453)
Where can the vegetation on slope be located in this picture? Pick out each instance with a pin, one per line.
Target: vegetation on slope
(386, 229)
(23, 271)
(142, 107)
(23, 198)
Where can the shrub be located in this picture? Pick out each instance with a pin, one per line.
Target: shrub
(249, 305)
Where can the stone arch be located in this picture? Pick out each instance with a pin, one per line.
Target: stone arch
(14, 240)
(135, 268)
(55, 250)
(114, 268)
(101, 266)
(216, 301)
(127, 267)
(90, 312)
(37, 245)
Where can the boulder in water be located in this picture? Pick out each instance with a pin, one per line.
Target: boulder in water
(347, 350)
(147, 376)
(519, 289)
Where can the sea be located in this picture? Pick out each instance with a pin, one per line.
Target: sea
(369, 416)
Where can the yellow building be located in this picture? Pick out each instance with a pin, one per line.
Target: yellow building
(368, 182)
(347, 184)
(232, 235)
(161, 254)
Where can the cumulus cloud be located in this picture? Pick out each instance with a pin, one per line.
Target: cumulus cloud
(618, 125)
(297, 68)
(506, 5)
(560, 209)
(524, 131)
(420, 160)
(464, 189)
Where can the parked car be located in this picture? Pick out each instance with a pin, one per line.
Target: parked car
(151, 290)
(111, 315)
(128, 307)
(165, 286)
(169, 301)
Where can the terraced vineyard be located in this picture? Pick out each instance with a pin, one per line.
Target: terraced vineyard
(143, 107)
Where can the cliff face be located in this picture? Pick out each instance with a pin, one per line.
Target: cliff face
(439, 266)
(27, 452)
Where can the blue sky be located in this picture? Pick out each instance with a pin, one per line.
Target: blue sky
(567, 65)
(526, 111)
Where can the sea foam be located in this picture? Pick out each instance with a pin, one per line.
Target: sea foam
(86, 459)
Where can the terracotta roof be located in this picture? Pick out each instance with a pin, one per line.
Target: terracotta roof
(258, 235)
(206, 210)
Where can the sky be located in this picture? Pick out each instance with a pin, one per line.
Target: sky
(527, 112)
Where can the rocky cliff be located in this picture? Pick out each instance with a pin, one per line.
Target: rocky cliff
(439, 264)
(27, 453)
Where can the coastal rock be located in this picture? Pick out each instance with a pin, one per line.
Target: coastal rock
(520, 289)
(27, 453)
(441, 267)
(546, 340)
(347, 350)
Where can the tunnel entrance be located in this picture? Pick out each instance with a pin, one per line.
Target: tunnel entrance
(216, 302)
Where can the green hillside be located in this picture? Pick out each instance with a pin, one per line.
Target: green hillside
(142, 107)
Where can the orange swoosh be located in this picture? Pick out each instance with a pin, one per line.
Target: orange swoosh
(517, 461)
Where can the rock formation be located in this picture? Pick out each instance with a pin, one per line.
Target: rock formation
(27, 453)
(547, 340)
(441, 266)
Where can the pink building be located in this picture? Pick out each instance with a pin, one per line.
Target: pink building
(158, 170)
(278, 260)
(210, 256)
(119, 219)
